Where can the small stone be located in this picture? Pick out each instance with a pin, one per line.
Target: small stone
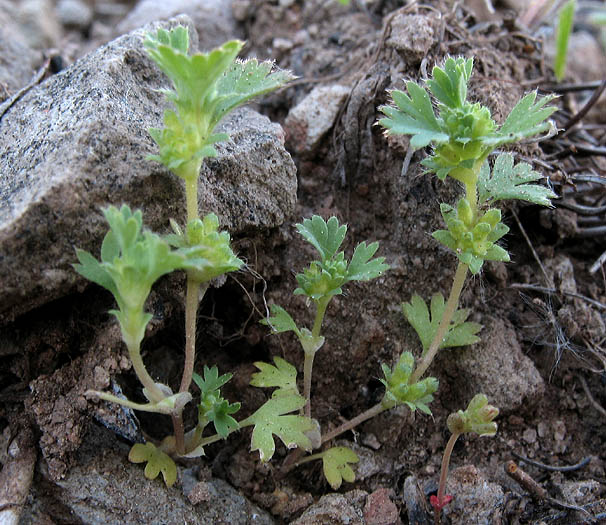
(101, 378)
(411, 36)
(74, 13)
(530, 435)
(199, 494)
(380, 510)
(559, 428)
(542, 429)
(309, 121)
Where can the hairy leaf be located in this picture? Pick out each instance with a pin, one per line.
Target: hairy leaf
(414, 116)
(326, 237)
(157, 461)
(335, 463)
(460, 333)
(280, 321)
(361, 268)
(509, 181)
(271, 420)
(449, 84)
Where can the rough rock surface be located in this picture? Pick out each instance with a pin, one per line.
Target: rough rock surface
(309, 121)
(499, 353)
(476, 500)
(337, 509)
(105, 488)
(78, 142)
(212, 18)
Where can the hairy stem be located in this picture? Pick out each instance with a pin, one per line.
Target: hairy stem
(192, 298)
(149, 384)
(444, 474)
(308, 364)
(352, 423)
(191, 198)
(449, 310)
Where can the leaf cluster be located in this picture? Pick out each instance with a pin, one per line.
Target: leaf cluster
(206, 86)
(213, 407)
(463, 133)
(399, 390)
(207, 251)
(477, 417)
(473, 239)
(131, 261)
(426, 322)
(325, 278)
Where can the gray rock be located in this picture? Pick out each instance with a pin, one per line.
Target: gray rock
(78, 142)
(476, 501)
(336, 509)
(104, 487)
(212, 18)
(412, 36)
(38, 24)
(19, 60)
(496, 367)
(309, 121)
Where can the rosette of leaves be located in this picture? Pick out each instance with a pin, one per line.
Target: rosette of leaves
(399, 390)
(463, 134)
(207, 251)
(131, 261)
(206, 86)
(325, 278)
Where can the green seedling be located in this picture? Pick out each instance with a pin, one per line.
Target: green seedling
(565, 23)
(206, 87)
(463, 136)
(477, 418)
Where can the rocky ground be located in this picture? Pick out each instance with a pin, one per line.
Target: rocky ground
(77, 93)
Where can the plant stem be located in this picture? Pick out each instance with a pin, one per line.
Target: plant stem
(444, 473)
(179, 434)
(308, 364)
(352, 423)
(148, 383)
(192, 299)
(449, 310)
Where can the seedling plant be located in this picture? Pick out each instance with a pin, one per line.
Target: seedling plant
(205, 88)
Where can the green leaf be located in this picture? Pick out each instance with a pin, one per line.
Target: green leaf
(361, 268)
(280, 321)
(326, 237)
(565, 22)
(460, 333)
(414, 116)
(270, 420)
(335, 463)
(213, 407)
(511, 182)
(526, 119)
(449, 84)
(157, 461)
(283, 376)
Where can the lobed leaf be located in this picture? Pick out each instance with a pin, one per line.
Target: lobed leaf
(280, 321)
(413, 115)
(361, 268)
(460, 332)
(326, 237)
(283, 376)
(509, 181)
(157, 461)
(271, 420)
(335, 464)
(449, 83)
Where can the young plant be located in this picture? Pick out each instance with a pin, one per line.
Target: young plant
(477, 418)
(206, 87)
(463, 136)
